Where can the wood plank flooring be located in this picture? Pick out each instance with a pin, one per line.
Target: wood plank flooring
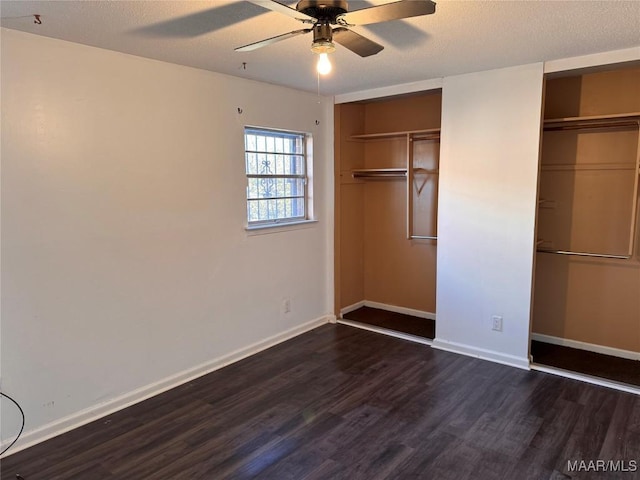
(344, 403)
(399, 322)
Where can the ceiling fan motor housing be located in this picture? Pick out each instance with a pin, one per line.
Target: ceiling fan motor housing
(323, 10)
(324, 14)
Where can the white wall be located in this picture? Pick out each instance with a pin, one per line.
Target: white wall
(126, 267)
(487, 210)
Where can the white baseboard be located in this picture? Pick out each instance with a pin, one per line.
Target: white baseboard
(389, 308)
(384, 331)
(394, 308)
(623, 387)
(591, 347)
(484, 354)
(63, 425)
(351, 308)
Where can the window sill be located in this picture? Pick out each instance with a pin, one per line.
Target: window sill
(279, 227)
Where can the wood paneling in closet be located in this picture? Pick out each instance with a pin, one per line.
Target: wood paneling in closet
(588, 208)
(349, 207)
(376, 260)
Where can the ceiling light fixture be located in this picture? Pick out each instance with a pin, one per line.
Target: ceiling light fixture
(322, 45)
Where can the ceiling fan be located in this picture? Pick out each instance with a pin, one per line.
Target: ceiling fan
(329, 21)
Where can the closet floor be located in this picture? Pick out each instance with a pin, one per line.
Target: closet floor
(398, 322)
(589, 363)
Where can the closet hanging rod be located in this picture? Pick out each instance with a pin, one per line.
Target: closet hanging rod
(591, 125)
(380, 173)
(435, 132)
(588, 166)
(373, 175)
(425, 137)
(422, 237)
(586, 254)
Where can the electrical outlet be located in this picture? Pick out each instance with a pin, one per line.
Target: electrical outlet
(496, 323)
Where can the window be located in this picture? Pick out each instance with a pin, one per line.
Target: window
(276, 165)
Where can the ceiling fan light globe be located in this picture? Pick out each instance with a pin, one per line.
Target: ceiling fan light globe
(323, 46)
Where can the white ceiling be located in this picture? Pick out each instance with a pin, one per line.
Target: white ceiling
(461, 37)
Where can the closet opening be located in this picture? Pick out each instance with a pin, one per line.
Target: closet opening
(386, 164)
(586, 311)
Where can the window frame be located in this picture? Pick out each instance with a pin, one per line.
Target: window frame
(305, 155)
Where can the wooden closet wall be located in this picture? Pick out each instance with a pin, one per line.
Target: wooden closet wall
(587, 189)
(375, 261)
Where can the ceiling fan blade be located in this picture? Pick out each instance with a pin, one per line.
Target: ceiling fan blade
(284, 9)
(202, 22)
(388, 11)
(356, 42)
(269, 41)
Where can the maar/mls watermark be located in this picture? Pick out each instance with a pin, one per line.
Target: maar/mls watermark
(602, 465)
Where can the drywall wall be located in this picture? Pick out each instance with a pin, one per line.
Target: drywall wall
(487, 211)
(563, 65)
(125, 262)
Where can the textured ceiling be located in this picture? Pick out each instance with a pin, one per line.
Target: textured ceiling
(460, 37)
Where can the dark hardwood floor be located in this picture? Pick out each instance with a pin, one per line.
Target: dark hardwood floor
(399, 322)
(590, 363)
(344, 403)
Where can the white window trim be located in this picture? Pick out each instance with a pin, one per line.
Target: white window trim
(274, 226)
(279, 227)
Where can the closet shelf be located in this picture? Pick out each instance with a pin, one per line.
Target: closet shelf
(428, 134)
(595, 121)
